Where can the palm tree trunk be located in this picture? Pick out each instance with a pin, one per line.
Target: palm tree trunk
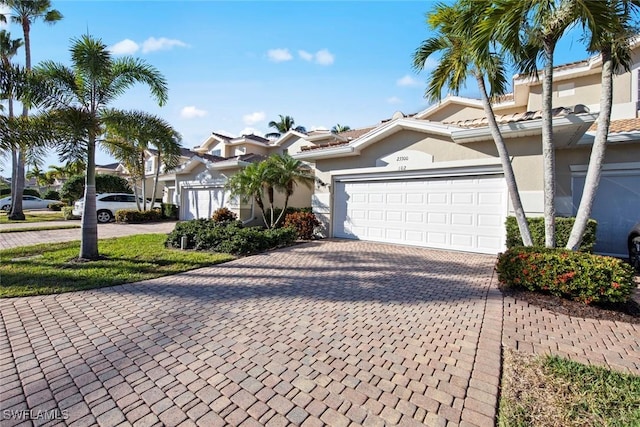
(592, 180)
(89, 224)
(271, 203)
(156, 177)
(507, 168)
(548, 154)
(143, 182)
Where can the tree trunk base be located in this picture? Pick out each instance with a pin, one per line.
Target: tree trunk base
(16, 217)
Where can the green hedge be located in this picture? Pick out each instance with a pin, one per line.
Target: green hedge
(573, 275)
(563, 230)
(51, 195)
(67, 213)
(56, 206)
(134, 216)
(232, 238)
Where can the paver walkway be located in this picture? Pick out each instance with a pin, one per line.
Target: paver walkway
(25, 238)
(326, 333)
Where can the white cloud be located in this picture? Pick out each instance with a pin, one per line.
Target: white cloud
(324, 57)
(124, 47)
(279, 55)
(408, 81)
(191, 112)
(394, 100)
(153, 44)
(253, 118)
(305, 55)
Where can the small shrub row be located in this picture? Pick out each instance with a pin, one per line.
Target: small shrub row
(563, 230)
(51, 195)
(134, 216)
(573, 275)
(228, 237)
(305, 224)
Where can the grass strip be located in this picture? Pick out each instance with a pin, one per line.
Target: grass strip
(53, 268)
(39, 216)
(553, 391)
(42, 228)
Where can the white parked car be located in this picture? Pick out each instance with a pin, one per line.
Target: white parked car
(107, 204)
(28, 202)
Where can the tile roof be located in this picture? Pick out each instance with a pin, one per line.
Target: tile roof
(321, 146)
(509, 118)
(356, 133)
(349, 135)
(256, 138)
(620, 126)
(109, 166)
(219, 135)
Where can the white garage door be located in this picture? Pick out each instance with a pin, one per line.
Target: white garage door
(466, 213)
(201, 203)
(616, 208)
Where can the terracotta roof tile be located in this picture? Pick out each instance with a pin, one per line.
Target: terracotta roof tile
(509, 118)
(329, 145)
(619, 126)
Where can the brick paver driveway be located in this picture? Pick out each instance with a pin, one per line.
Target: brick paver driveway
(326, 333)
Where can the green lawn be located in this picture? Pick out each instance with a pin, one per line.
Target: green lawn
(52, 268)
(40, 228)
(552, 391)
(33, 216)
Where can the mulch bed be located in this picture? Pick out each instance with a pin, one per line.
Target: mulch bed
(628, 312)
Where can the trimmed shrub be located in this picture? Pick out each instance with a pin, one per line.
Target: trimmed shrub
(5, 191)
(67, 213)
(563, 230)
(223, 215)
(51, 195)
(56, 206)
(305, 224)
(230, 237)
(290, 210)
(31, 192)
(134, 216)
(169, 211)
(573, 275)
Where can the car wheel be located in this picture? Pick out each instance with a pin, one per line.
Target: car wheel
(104, 216)
(6, 208)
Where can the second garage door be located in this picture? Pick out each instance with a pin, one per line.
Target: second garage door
(201, 202)
(465, 213)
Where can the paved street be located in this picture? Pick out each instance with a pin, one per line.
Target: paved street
(25, 238)
(335, 332)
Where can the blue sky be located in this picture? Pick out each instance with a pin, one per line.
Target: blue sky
(234, 66)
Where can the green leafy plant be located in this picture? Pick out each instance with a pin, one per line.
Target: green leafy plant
(134, 216)
(169, 211)
(228, 237)
(31, 192)
(56, 206)
(73, 189)
(305, 224)
(563, 230)
(223, 215)
(51, 195)
(67, 213)
(573, 275)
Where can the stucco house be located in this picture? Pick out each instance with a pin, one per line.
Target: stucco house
(434, 178)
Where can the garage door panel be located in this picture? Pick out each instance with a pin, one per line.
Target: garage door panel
(201, 203)
(454, 213)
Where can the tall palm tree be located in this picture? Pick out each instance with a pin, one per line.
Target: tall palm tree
(129, 137)
(250, 183)
(79, 97)
(530, 29)
(340, 128)
(288, 172)
(283, 125)
(454, 26)
(616, 54)
(25, 13)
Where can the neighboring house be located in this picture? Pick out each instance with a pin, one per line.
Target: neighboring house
(434, 179)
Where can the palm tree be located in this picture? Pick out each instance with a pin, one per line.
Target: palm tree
(288, 172)
(283, 125)
(340, 128)
(250, 183)
(615, 53)
(529, 29)
(79, 97)
(460, 59)
(131, 134)
(25, 13)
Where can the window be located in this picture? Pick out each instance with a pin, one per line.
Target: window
(285, 152)
(566, 89)
(240, 151)
(148, 165)
(217, 152)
